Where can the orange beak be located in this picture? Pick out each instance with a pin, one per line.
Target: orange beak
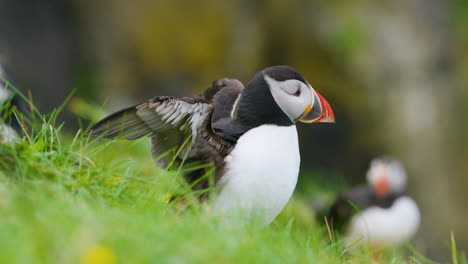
(381, 188)
(319, 111)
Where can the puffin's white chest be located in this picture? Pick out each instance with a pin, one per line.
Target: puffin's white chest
(386, 227)
(261, 174)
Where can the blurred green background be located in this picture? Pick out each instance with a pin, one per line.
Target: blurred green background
(395, 73)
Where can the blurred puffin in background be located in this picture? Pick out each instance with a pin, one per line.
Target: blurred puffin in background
(249, 134)
(10, 128)
(380, 213)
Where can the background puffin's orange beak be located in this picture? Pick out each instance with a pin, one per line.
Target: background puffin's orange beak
(381, 188)
(319, 112)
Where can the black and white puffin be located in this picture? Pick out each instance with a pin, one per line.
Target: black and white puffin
(380, 213)
(248, 134)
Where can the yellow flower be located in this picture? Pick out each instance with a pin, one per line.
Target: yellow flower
(114, 181)
(99, 254)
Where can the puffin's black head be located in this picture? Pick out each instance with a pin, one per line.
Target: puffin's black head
(280, 95)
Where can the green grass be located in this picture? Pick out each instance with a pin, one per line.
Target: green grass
(73, 199)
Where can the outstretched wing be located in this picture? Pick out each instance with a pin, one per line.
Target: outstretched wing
(173, 124)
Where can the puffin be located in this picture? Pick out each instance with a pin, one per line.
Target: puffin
(247, 132)
(10, 128)
(379, 214)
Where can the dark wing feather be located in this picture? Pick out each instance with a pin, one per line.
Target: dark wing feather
(124, 124)
(226, 100)
(174, 121)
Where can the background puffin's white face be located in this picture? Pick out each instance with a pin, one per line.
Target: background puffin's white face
(292, 96)
(387, 170)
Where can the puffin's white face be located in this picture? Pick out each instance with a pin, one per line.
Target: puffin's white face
(292, 96)
(386, 175)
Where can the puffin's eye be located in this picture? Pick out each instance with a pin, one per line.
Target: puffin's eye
(298, 92)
